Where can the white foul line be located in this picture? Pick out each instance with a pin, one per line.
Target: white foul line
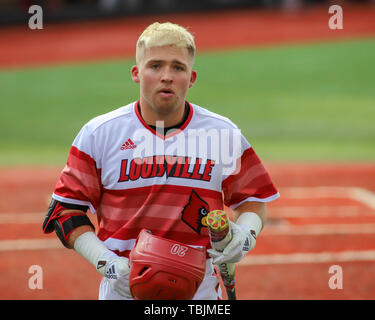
(365, 196)
(21, 218)
(318, 212)
(362, 195)
(30, 244)
(319, 229)
(297, 258)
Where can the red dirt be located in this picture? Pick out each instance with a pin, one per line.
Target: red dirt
(277, 244)
(305, 281)
(65, 275)
(33, 185)
(323, 174)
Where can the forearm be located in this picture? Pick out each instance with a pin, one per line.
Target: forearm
(258, 208)
(85, 242)
(77, 231)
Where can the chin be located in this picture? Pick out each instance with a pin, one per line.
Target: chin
(165, 107)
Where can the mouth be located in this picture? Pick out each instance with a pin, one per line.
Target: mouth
(166, 92)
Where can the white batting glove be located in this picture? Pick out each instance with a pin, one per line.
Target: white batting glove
(244, 234)
(242, 242)
(116, 270)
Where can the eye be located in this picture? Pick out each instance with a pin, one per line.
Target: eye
(155, 66)
(179, 68)
(203, 211)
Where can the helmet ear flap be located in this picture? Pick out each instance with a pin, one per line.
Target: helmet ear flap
(164, 269)
(143, 270)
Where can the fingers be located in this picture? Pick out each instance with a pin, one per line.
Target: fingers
(233, 245)
(122, 287)
(215, 255)
(120, 282)
(221, 257)
(235, 249)
(231, 257)
(123, 266)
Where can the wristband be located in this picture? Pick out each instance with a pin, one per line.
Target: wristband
(93, 250)
(250, 222)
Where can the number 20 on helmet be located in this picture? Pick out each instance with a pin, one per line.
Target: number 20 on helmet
(163, 269)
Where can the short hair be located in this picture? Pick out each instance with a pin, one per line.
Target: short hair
(164, 34)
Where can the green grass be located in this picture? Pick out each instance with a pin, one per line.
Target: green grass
(294, 103)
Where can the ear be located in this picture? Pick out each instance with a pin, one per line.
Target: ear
(193, 77)
(135, 74)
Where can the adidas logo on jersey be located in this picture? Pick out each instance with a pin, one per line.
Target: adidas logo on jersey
(128, 145)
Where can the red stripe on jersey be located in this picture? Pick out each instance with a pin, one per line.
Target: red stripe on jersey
(156, 209)
(80, 179)
(158, 224)
(124, 208)
(252, 180)
(132, 233)
(170, 189)
(130, 201)
(114, 218)
(81, 160)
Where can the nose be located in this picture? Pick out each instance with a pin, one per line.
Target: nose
(167, 75)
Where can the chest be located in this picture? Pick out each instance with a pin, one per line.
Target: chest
(138, 158)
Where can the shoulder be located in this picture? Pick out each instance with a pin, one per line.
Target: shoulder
(203, 115)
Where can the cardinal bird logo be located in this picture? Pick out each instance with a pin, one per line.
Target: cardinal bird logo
(195, 212)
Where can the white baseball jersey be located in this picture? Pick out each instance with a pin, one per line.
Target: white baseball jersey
(132, 177)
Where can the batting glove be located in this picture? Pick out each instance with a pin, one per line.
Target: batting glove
(116, 270)
(244, 234)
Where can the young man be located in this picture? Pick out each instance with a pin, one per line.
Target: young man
(159, 163)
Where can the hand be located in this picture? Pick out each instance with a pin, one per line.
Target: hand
(241, 243)
(116, 270)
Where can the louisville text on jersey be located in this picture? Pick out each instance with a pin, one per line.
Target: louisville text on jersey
(171, 166)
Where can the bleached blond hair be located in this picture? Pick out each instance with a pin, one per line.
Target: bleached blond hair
(164, 34)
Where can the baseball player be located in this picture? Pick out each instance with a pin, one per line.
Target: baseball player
(160, 163)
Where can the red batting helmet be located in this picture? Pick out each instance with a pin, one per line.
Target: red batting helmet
(162, 269)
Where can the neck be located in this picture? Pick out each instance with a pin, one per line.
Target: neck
(169, 119)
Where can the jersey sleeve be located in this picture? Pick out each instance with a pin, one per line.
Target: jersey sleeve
(249, 181)
(80, 180)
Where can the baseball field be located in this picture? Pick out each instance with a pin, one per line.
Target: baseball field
(301, 93)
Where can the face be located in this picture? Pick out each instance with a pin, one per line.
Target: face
(165, 74)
